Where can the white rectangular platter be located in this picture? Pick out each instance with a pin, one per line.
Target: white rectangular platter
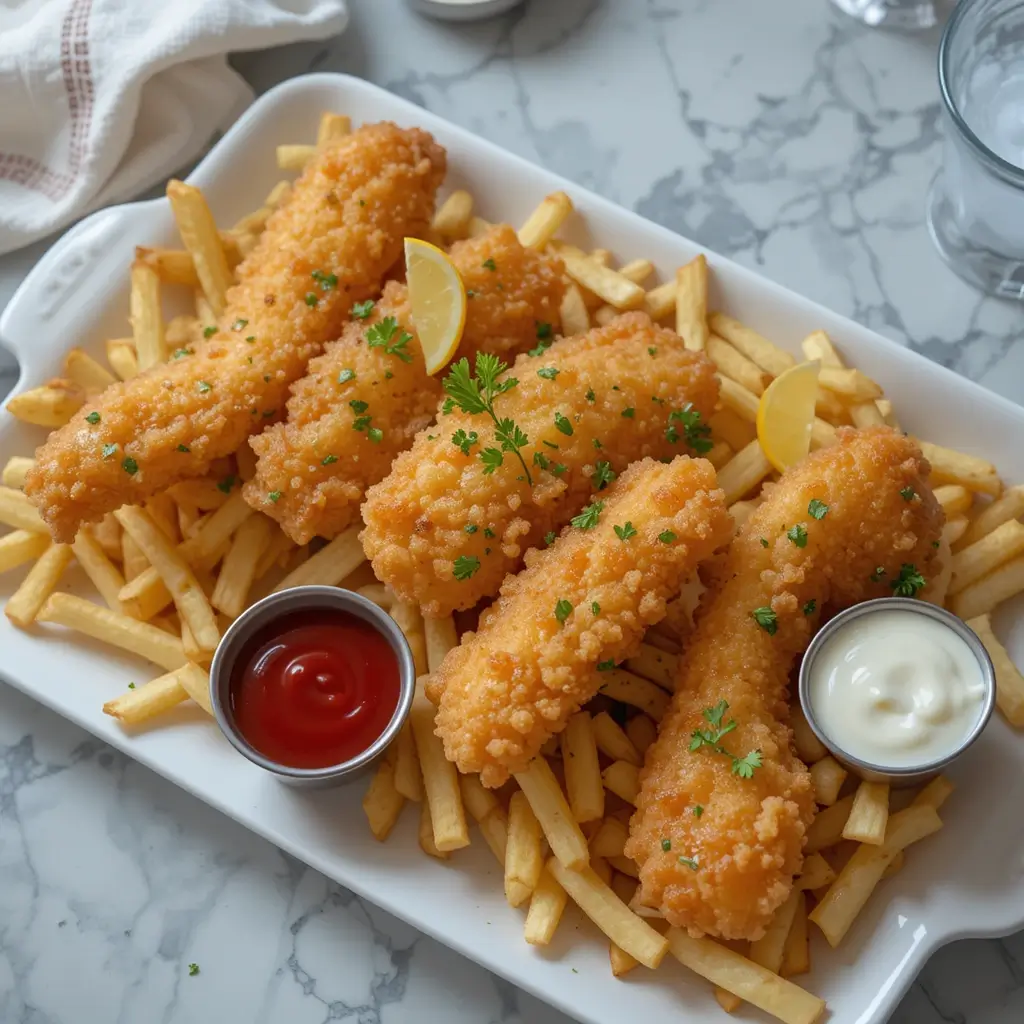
(967, 880)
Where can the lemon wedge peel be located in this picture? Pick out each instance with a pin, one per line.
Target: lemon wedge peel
(785, 415)
(437, 298)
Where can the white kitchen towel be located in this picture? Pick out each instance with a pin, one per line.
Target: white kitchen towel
(100, 99)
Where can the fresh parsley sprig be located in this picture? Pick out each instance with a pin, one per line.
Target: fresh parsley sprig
(386, 335)
(696, 433)
(909, 582)
(712, 738)
(475, 394)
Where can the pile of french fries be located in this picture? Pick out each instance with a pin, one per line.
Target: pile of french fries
(174, 573)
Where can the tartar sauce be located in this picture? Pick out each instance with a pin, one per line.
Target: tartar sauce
(896, 689)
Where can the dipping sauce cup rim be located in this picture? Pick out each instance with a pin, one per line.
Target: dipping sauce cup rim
(898, 772)
(271, 609)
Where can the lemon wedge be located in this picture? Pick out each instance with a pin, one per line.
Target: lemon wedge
(438, 301)
(785, 415)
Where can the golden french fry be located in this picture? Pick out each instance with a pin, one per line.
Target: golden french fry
(478, 226)
(294, 157)
(851, 384)
(110, 627)
(741, 512)
(524, 854)
(147, 317)
(107, 533)
(622, 779)
(828, 776)
(737, 399)
(745, 979)
(888, 413)
(769, 950)
(816, 873)
(196, 682)
(818, 345)
(426, 834)
(796, 955)
(864, 414)
(574, 315)
(16, 470)
(827, 828)
(808, 747)
(487, 812)
(610, 914)
(822, 434)
(952, 467)
(89, 375)
(231, 595)
(954, 499)
(548, 802)
(494, 829)
(692, 304)
(162, 510)
(604, 315)
(976, 560)
(719, 454)
(654, 664)
(660, 302)
(609, 285)
(18, 511)
(631, 689)
(935, 793)
(759, 350)
(199, 234)
(610, 839)
(983, 595)
(331, 128)
(451, 221)
(51, 405)
(726, 1000)
(378, 594)
(612, 740)
(21, 546)
(172, 266)
(637, 270)
(382, 803)
(134, 563)
(732, 428)
(602, 256)
(862, 872)
(543, 223)
(279, 546)
(1009, 681)
(830, 408)
(121, 356)
(625, 866)
(105, 576)
(408, 779)
(149, 700)
(621, 962)
(24, 605)
(743, 472)
(411, 624)
(441, 637)
(582, 769)
(330, 565)
(734, 365)
(547, 903)
(1009, 505)
(203, 494)
(642, 732)
(440, 781)
(176, 573)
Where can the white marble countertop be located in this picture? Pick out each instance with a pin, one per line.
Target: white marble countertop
(776, 133)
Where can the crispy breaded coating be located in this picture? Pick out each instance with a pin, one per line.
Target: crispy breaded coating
(347, 217)
(319, 463)
(516, 681)
(604, 399)
(742, 852)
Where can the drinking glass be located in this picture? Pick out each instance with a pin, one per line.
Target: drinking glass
(902, 14)
(976, 202)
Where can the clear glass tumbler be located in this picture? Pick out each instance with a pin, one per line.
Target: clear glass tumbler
(901, 14)
(976, 203)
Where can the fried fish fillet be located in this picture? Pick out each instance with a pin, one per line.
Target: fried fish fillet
(516, 681)
(447, 524)
(328, 247)
(361, 404)
(725, 871)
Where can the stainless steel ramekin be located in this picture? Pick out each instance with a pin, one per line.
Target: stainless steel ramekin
(287, 602)
(900, 775)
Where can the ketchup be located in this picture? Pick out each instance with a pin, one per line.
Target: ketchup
(315, 688)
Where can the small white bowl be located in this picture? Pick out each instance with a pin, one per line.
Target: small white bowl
(463, 10)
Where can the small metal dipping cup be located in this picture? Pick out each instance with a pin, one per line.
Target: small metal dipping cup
(288, 602)
(898, 775)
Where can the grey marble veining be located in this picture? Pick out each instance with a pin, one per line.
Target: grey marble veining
(779, 134)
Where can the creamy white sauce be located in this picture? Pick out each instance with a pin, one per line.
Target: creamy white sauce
(896, 689)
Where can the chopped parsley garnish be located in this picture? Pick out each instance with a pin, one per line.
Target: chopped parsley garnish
(908, 494)
(563, 609)
(225, 485)
(475, 394)
(540, 348)
(470, 528)
(625, 532)
(563, 425)
(108, 450)
(209, 332)
(327, 282)
(808, 608)
(550, 444)
(629, 413)
(935, 544)
(488, 532)
(589, 517)
(470, 294)
(657, 401)
(697, 810)
(666, 845)
(346, 375)
(383, 335)
(375, 435)
(129, 465)
(766, 619)
(465, 566)
(267, 413)
(595, 608)
(93, 418)
(203, 386)
(798, 535)
(606, 666)
(549, 538)
(239, 325)
(312, 300)
(251, 339)
(327, 460)
(184, 448)
(876, 576)
(548, 372)
(603, 475)
(361, 310)
(666, 537)
(690, 862)
(596, 443)
(464, 441)
(489, 264)
(558, 468)
(266, 378)
(193, 969)
(543, 331)
(696, 433)
(651, 351)
(590, 396)
(817, 509)
(180, 353)
(712, 737)
(358, 407)
(131, 686)
(764, 542)
(910, 581)
(541, 460)
(274, 496)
